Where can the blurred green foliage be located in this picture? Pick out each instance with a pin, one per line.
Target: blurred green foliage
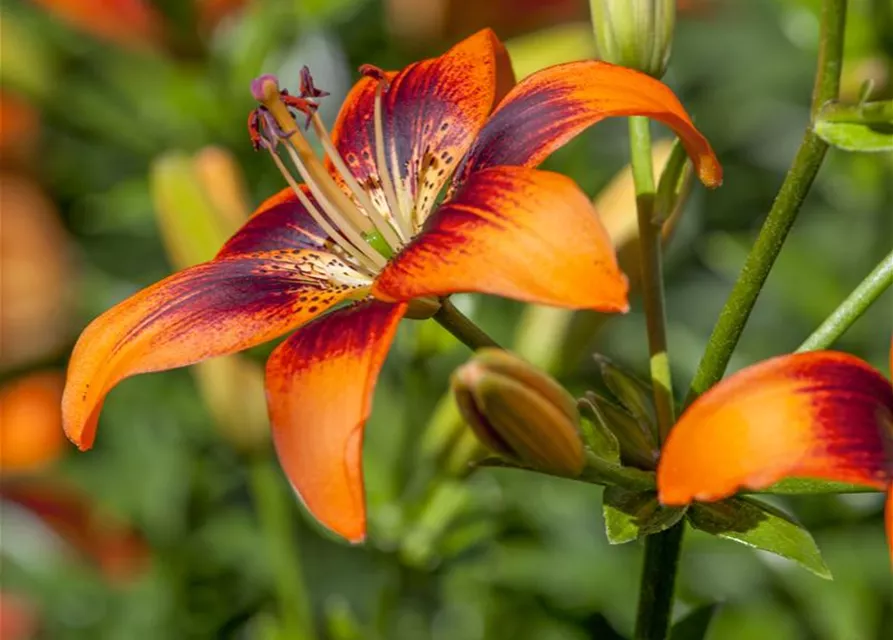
(501, 554)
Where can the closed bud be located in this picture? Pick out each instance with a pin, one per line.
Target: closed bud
(634, 33)
(520, 413)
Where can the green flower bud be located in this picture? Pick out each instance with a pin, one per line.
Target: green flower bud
(520, 413)
(634, 33)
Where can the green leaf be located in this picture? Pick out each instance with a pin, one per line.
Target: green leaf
(695, 625)
(808, 486)
(760, 526)
(596, 433)
(866, 127)
(633, 514)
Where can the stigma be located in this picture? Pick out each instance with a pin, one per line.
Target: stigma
(342, 207)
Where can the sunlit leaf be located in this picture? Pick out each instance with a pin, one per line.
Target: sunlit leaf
(809, 486)
(630, 514)
(866, 127)
(761, 526)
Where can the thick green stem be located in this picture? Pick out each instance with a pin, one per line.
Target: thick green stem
(464, 330)
(796, 185)
(854, 306)
(661, 550)
(275, 515)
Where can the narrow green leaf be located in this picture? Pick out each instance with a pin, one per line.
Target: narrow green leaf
(760, 526)
(866, 127)
(633, 514)
(695, 625)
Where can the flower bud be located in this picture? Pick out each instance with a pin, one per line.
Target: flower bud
(520, 413)
(634, 33)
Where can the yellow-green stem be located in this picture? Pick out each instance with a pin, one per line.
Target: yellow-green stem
(854, 306)
(661, 550)
(462, 328)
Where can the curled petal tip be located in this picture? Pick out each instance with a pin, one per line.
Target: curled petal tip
(710, 172)
(264, 87)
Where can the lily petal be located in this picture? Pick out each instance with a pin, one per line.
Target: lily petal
(432, 110)
(824, 415)
(319, 388)
(515, 232)
(214, 308)
(280, 222)
(550, 107)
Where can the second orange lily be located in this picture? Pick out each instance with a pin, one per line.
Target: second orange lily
(825, 415)
(363, 228)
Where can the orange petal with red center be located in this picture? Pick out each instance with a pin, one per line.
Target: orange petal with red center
(514, 232)
(550, 107)
(431, 112)
(280, 222)
(212, 309)
(319, 388)
(823, 415)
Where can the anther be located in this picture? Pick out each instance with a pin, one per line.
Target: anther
(307, 88)
(301, 105)
(376, 73)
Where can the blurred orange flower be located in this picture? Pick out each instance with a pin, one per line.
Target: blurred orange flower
(823, 414)
(37, 273)
(127, 23)
(30, 422)
(115, 547)
(133, 23)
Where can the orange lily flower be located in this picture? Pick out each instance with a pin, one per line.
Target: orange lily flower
(504, 228)
(823, 414)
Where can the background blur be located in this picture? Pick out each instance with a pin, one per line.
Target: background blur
(172, 526)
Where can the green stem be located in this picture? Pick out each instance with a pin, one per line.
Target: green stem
(464, 330)
(796, 185)
(652, 274)
(658, 583)
(275, 516)
(854, 306)
(661, 550)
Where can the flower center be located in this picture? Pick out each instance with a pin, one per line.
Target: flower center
(346, 213)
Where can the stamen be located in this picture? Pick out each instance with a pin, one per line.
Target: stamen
(365, 263)
(331, 210)
(267, 89)
(307, 88)
(382, 166)
(382, 225)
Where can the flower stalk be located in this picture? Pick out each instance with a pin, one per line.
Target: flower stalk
(857, 303)
(662, 549)
(783, 213)
(462, 328)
